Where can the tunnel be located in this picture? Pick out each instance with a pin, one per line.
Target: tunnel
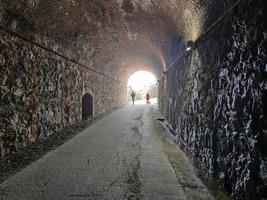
(208, 57)
(87, 106)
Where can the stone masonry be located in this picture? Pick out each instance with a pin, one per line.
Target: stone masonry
(216, 101)
(40, 93)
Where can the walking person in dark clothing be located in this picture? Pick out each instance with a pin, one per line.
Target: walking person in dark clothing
(147, 98)
(133, 96)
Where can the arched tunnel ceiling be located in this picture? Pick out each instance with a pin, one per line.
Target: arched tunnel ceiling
(115, 37)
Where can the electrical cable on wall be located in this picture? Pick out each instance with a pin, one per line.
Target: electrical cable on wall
(56, 53)
(197, 42)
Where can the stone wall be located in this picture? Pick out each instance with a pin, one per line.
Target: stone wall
(216, 101)
(40, 93)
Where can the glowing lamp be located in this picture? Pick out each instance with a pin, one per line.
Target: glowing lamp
(189, 45)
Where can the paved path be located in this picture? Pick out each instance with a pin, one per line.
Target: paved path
(118, 157)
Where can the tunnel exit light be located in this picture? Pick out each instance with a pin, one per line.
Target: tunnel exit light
(141, 81)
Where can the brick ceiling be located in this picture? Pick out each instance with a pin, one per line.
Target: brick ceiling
(112, 36)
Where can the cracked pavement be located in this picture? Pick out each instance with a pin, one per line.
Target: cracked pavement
(119, 157)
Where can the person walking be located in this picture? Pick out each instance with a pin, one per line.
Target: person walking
(147, 98)
(133, 96)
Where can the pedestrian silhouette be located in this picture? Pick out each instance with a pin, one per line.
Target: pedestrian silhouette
(133, 96)
(147, 98)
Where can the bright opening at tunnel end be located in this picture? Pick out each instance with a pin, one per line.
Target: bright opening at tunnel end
(142, 82)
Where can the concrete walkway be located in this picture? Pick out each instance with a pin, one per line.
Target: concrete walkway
(119, 157)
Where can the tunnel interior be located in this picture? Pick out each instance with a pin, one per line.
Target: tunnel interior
(87, 106)
(213, 96)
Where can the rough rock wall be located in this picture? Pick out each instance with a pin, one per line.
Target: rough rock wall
(40, 93)
(217, 101)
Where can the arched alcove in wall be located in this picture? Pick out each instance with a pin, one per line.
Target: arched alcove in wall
(87, 106)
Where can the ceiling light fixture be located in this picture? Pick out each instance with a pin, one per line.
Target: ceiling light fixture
(189, 45)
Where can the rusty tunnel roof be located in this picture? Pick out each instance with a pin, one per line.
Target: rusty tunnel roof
(115, 37)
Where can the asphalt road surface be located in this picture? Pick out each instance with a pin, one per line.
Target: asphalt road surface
(119, 157)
